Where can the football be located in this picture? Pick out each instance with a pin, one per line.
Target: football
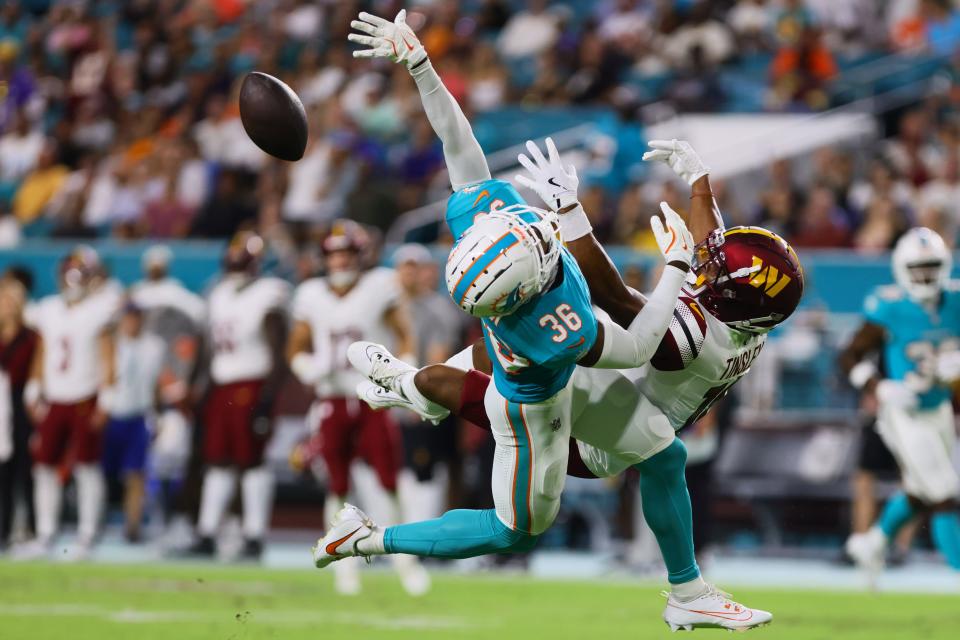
(273, 116)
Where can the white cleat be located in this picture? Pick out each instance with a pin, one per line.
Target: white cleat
(868, 550)
(378, 364)
(349, 527)
(36, 549)
(713, 610)
(379, 398)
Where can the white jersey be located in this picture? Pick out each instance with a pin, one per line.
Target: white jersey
(72, 367)
(336, 321)
(236, 312)
(699, 359)
(168, 292)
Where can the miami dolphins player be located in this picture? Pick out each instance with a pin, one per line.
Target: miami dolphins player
(914, 326)
(746, 280)
(509, 268)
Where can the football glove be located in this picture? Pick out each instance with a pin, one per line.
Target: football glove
(393, 40)
(555, 184)
(897, 395)
(672, 236)
(679, 156)
(948, 367)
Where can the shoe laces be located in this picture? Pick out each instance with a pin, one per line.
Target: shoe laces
(727, 600)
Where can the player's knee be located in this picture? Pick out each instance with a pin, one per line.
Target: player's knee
(673, 459)
(429, 380)
(514, 541)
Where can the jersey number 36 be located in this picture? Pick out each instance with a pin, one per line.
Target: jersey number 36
(562, 314)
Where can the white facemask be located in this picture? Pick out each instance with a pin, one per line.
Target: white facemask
(343, 279)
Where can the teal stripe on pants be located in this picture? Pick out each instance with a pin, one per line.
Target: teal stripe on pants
(523, 472)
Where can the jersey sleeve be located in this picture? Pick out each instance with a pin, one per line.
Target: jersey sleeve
(276, 294)
(300, 308)
(877, 308)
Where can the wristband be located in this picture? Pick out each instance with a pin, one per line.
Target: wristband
(106, 398)
(861, 374)
(303, 367)
(32, 392)
(575, 224)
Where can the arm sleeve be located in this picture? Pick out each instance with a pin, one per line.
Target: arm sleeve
(461, 151)
(634, 346)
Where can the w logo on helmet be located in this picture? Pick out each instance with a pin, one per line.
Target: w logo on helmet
(772, 281)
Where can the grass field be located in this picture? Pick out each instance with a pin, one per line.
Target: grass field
(183, 602)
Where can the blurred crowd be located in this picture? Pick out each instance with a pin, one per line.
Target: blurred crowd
(121, 118)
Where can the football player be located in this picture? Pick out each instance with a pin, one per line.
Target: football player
(508, 268)
(70, 394)
(914, 326)
(350, 303)
(248, 328)
(744, 281)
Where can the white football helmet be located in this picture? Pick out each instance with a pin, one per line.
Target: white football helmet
(921, 263)
(507, 257)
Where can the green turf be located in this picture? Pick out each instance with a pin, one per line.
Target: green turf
(182, 602)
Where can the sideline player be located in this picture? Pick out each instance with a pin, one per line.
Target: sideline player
(351, 303)
(507, 267)
(70, 394)
(248, 328)
(915, 326)
(719, 327)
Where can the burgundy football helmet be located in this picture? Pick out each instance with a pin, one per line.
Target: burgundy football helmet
(747, 277)
(78, 271)
(345, 235)
(244, 253)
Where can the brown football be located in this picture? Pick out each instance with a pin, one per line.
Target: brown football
(273, 116)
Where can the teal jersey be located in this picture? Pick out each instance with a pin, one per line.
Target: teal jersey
(535, 349)
(481, 197)
(915, 335)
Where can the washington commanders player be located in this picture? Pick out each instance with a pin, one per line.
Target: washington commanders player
(248, 326)
(744, 281)
(70, 395)
(350, 303)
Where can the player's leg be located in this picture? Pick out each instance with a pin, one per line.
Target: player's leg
(53, 435)
(379, 445)
(91, 487)
(528, 475)
(250, 439)
(944, 521)
(220, 478)
(133, 467)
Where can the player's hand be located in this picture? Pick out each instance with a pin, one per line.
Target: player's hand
(679, 156)
(948, 367)
(395, 40)
(38, 411)
(674, 239)
(555, 184)
(896, 394)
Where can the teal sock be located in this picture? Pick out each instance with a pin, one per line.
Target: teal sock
(945, 530)
(666, 508)
(461, 533)
(897, 512)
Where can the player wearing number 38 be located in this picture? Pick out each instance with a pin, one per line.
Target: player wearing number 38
(915, 326)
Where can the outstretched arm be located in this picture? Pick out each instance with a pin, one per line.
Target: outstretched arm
(397, 41)
(704, 215)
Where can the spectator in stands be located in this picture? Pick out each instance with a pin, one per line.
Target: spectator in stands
(882, 224)
(20, 150)
(821, 223)
(702, 33)
(882, 184)
(17, 346)
(40, 185)
(911, 152)
(530, 32)
(752, 23)
(941, 22)
(139, 356)
(230, 208)
(800, 72)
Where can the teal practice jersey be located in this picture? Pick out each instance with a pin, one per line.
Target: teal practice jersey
(915, 336)
(534, 350)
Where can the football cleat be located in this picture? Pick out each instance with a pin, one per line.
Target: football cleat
(712, 610)
(378, 364)
(349, 527)
(378, 398)
(868, 551)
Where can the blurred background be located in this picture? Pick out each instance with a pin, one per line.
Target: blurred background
(833, 122)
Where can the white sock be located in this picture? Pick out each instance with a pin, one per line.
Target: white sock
(218, 487)
(688, 591)
(257, 487)
(373, 544)
(47, 495)
(91, 492)
(462, 360)
(420, 402)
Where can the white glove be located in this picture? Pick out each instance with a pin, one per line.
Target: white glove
(555, 184)
(394, 40)
(673, 237)
(307, 369)
(896, 394)
(948, 367)
(679, 156)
